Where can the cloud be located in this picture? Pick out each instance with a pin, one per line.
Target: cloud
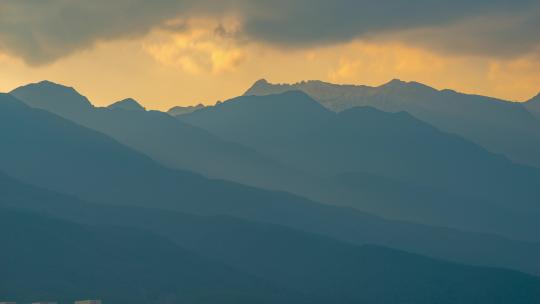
(517, 75)
(377, 63)
(198, 46)
(498, 35)
(494, 28)
(43, 31)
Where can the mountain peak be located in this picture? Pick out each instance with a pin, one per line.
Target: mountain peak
(261, 85)
(400, 84)
(261, 81)
(50, 85)
(127, 104)
(180, 110)
(51, 96)
(395, 82)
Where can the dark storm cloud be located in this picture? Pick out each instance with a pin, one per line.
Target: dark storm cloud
(493, 26)
(43, 30)
(40, 31)
(496, 35)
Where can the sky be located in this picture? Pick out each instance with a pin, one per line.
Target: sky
(183, 52)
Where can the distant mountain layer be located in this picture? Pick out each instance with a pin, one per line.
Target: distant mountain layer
(46, 150)
(160, 136)
(294, 159)
(45, 259)
(500, 126)
(291, 143)
(178, 110)
(126, 104)
(87, 257)
(457, 179)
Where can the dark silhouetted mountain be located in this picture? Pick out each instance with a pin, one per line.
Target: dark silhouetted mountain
(51, 152)
(533, 105)
(179, 110)
(338, 273)
(323, 269)
(392, 146)
(402, 147)
(66, 101)
(261, 121)
(126, 104)
(500, 126)
(49, 259)
(164, 138)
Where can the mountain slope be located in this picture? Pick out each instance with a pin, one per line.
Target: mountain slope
(400, 146)
(50, 259)
(378, 272)
(500, 126)
(397, 147)
(324, 269)
(259, 122)
(163, 138)
(46, 150)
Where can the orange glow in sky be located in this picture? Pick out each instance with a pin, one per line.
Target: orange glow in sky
(202, 65)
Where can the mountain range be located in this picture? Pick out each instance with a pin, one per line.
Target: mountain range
(438, 174)
(498, 125)
(125, 177)
(163, 138)
(138, 206)
(184, 254)
(239, 140)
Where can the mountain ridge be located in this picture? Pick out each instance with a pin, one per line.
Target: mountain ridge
(487, 121)
(125, 177)
(180, 110)
(263, 84)
(127, 104)
(165, 139)
(115, 264)
(259, 249)
(392, 145)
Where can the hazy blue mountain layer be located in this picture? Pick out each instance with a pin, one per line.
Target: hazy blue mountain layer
(46, 150)
(165, 139)
(306, 149)
(45, 259)
(85, 260)
(498, 125)
(415, 171)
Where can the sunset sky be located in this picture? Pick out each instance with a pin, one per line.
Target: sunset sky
(166, 53)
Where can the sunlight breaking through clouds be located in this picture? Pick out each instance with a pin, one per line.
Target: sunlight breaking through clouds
(198, 46)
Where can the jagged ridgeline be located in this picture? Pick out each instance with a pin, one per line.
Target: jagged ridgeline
(278, 198)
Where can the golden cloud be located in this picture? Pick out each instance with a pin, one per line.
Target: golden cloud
(198, 46)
